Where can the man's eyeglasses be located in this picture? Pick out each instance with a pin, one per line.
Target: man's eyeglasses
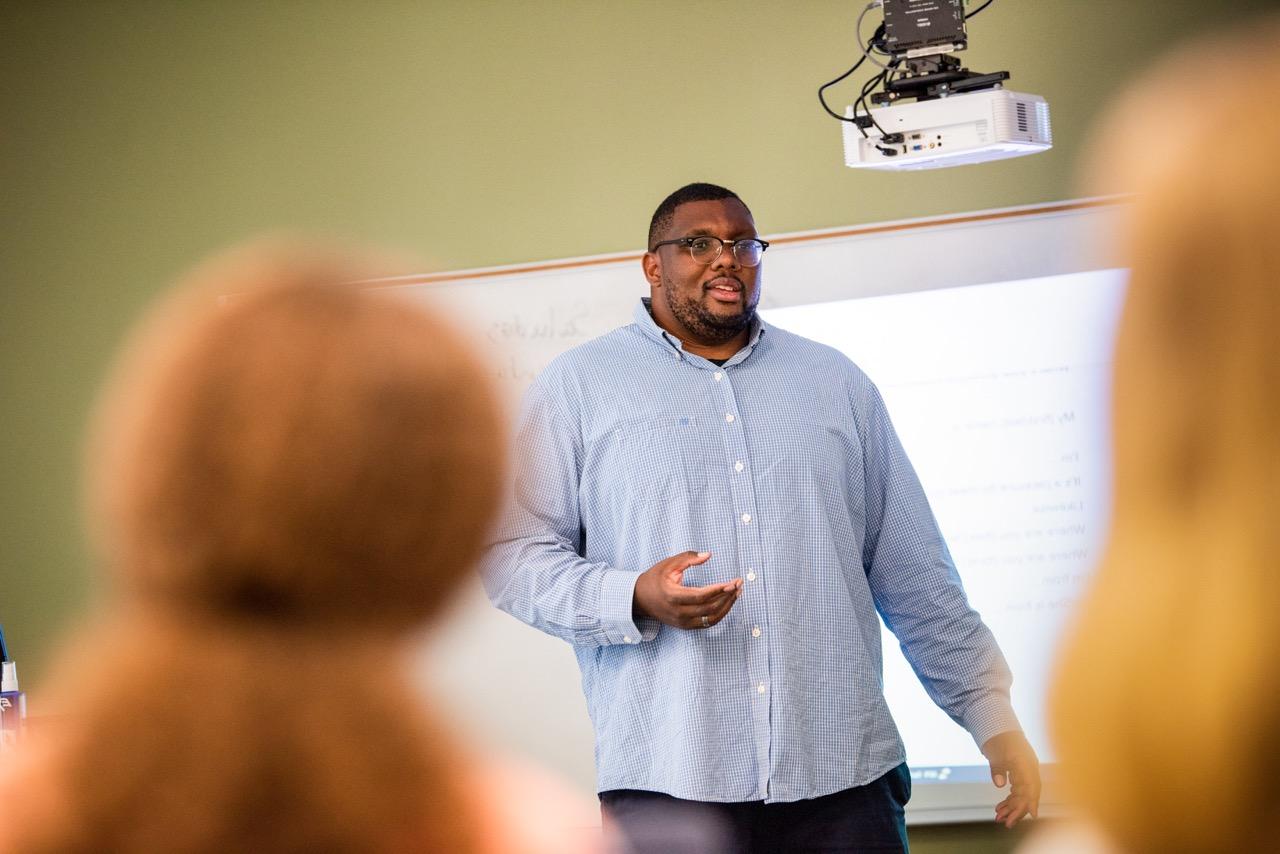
(704, 249)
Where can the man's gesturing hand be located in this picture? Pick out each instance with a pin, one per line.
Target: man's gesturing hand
(660, 594)
(1013, 759)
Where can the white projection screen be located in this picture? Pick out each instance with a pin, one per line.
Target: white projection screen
(990, 336)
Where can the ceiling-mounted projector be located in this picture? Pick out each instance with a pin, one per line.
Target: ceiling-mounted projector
(973, 127)
(931, 112)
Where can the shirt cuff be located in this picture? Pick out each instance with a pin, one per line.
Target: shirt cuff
(989, 717)
(617, 609)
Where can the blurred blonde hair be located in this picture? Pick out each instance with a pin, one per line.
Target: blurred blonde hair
(1166, 705)
(289, 474)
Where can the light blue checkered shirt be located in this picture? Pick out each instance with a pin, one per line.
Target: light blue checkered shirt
(782, 463)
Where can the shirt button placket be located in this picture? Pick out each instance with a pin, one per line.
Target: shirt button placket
(752, 607)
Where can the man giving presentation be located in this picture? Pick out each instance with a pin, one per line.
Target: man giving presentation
(712, 511)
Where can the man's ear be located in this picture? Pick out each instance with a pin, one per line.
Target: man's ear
(652, 265)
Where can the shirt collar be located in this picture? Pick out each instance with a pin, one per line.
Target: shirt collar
(644, 321)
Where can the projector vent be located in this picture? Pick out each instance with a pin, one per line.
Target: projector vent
(1022, 117)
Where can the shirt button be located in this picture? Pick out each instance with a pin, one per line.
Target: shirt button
(626, 638)
(738, 466)
(760, 688)
(729, 417)
(719, 375)
(751, 575)
(746, 518)
(755, 631)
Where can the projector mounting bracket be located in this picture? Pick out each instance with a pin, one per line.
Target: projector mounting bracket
(929, 77)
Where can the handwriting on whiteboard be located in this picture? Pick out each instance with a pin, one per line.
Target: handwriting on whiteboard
(552, 324)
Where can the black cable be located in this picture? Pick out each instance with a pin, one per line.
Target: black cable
(878, 33)
(883, 76)
(825, 86)
(969, 15)
(861, 102)
(867, 88)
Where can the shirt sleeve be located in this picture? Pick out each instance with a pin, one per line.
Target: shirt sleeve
(918, 591)
(534, 568)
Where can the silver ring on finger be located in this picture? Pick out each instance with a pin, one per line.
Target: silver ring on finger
(706, 623)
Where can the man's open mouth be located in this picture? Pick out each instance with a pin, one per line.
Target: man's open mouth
(724, 288)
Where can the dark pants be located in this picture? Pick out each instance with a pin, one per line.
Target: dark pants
(865, 818)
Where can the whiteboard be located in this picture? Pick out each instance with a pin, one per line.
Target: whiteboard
(514, 688)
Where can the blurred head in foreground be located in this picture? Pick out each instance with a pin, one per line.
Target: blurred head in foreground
(1166, 707)
(283, 484)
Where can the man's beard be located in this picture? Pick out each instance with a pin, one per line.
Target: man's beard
(709, 327)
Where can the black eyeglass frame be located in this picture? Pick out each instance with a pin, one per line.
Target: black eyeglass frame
(687, 243)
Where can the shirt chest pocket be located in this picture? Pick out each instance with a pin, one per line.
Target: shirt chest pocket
(663, 459)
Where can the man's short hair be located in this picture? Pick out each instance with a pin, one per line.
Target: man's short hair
(698, 192)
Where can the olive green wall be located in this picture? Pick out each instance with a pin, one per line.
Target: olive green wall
(138, 136)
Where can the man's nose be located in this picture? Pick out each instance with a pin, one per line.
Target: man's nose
(728, 260)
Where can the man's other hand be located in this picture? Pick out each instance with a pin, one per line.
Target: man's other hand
(660, 594)
(1014, 761)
